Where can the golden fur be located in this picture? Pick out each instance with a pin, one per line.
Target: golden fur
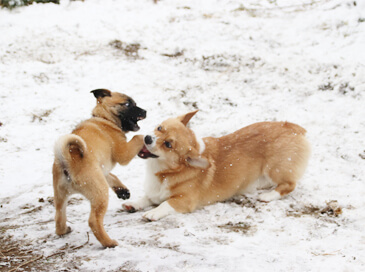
(229, 165)
(84, 159)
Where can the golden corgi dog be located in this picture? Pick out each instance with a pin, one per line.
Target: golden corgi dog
(84, 159)
(186, 173)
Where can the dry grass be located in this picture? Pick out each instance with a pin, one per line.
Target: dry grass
(10, 4)
(240, 227)
(18, 256)
(24, 256)
(332, 209)
(129, 50)
(244, 202)
(174, 55)
(42, 116)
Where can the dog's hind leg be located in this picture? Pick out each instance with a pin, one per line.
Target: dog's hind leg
(285, 181)
(60, 200)
(98, 194)
(289, 165)
(281, 190)
(96, 222)
(118, 187)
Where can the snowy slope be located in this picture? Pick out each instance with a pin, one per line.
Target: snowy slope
(239, 62)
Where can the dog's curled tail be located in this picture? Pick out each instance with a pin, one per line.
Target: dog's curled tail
(69, 148)
(295, 128)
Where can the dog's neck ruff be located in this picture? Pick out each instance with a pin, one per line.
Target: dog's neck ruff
(201, 145)
(107, 121)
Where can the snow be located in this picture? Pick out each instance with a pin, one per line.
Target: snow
(242, 62)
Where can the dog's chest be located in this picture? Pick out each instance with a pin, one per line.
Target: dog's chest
(107, 167)
(155, 190)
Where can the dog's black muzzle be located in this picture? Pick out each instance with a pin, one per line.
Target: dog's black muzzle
(130, 118)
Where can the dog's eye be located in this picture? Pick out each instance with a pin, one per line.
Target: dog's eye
(168, 145)
(126, 104)
(159, 128)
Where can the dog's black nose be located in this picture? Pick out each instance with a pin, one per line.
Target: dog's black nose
(148, 139)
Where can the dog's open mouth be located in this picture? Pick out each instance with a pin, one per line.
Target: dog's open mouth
(133, 123)
(130, 124)
(130, 118)
(145, 153)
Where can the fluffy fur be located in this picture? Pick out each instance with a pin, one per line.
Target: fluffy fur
(184, 175)
(83, 160)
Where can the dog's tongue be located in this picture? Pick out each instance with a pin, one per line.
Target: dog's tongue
(144, 153)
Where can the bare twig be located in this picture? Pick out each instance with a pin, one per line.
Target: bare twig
(8, 250)
(326, 254)
(25, 225)
(55, 254)
(296, 6)
(76, 248)
(25, 263)
(62, 251)
(65, 247)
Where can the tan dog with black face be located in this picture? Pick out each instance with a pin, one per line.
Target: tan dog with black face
(186, 173)
(84, 159)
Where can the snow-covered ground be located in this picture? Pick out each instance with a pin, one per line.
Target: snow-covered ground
(239, 62)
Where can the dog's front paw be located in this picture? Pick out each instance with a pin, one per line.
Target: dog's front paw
(128, 207)
(161, 211)
(139, 139)
(133, 206)
(152, 215)
(122, 193)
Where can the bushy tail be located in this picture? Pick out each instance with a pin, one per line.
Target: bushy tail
(295, 128)
(70, 148)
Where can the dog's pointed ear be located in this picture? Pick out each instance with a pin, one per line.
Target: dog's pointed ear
(100, 93)
(198, 162)
(186, 117)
